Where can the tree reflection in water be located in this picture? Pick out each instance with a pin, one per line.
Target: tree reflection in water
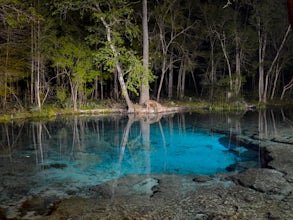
(79, 151)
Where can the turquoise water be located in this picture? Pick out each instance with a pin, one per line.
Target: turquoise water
(98, 161)
(67, 155)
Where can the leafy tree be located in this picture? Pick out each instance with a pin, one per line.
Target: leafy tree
(114, 44)
(14, 22)
(144, 88)
(73, 59)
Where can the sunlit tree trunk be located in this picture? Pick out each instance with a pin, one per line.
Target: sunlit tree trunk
(144, 88)
(118, 67)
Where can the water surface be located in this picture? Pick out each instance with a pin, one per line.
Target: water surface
(65, 156)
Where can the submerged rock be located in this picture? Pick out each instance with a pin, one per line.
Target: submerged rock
(140, 185)
(37, 205)
(282, 160)
(264, 180)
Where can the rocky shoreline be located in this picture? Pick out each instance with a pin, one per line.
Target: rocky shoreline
(257, 193)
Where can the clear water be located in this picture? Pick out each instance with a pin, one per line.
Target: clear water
(58, 157)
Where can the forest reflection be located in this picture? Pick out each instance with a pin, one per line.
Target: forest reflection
(71, 135)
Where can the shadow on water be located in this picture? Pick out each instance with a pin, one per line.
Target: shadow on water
(60, 158)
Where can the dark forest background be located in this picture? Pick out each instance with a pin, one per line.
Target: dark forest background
(70, 54)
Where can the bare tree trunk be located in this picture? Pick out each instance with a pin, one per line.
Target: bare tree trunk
(181, 80)
(116, 90)
(38, 68)
(74, 90)
(237, 67)
(262, 41)
(178, 89)
(144, 88)
(170, 83)
(164, 70)
(32, 63)
(286, 87)
(274, 61)
(224, 49)
(277, 73)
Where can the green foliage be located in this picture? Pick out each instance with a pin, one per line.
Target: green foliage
(75, 52)
(75, 59)
(12, 69)
(61, 94)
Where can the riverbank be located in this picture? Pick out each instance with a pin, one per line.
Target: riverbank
(108, 107)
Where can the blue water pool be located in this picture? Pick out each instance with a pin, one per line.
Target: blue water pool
(66, 155)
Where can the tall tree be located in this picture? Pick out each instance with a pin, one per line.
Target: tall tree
(74, 61)
(144, 89)
(114, 47)
(14, 25)
(171, 24)
(266, 20)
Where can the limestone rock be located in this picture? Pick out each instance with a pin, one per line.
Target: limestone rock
(264, 180)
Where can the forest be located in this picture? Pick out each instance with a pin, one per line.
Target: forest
(76, 53)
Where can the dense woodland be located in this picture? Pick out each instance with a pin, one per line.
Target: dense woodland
(75, 53)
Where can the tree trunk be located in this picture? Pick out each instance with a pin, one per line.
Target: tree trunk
(118, 68)
(286, 87)
(38, 81)
(164, 70)
(6, 71)
(224, 49)
(262, 41)
(74, 91)
(212, 75)
(116, 90)
(237, 67)
(170, 83)
(266, 85)
(32, 63)
(144, 88)
(277, 73)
